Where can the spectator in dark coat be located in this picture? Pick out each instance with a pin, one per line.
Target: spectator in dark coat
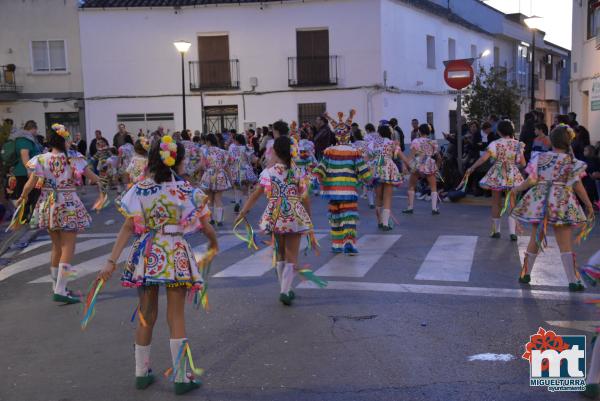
(582, 139)
(324, 138)
(528, 133)
(79, 144)
(93, 144)
(397, 133)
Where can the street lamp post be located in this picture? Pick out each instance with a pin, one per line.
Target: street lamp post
(182, 47)
(532, 23)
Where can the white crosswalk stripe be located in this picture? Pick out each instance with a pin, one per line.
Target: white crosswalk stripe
(547, 269)
(371, 248)
(450, 259)
(255, 265)
(44, 258)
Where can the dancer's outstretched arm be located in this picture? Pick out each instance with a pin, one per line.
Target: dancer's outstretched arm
(122, 239)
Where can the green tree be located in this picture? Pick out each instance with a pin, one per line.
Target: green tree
(492, 93)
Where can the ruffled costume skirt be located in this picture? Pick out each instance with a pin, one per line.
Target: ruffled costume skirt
(424, 165)
(215, 180)
(60, 210)
(386, 172)
(285, 216)
(502, 177)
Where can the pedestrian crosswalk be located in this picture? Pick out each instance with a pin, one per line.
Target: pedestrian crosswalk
(449, 258)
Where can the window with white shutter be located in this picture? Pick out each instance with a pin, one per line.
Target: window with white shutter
(48, 56)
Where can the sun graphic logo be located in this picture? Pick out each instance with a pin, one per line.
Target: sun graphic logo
(556, 362)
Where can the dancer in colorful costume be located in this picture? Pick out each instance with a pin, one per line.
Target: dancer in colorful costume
(59, 210)
(241, 158)
(215, 177)
(192, 160)
(137, 168)
(362, 145)
(382, 151)
(161, 209)
(125, 153)
(287, 215)
(556, 180)
(504, 175)
(422, 164)
(341, 171)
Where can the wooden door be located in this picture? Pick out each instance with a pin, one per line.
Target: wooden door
(312, 49)
(214, 64)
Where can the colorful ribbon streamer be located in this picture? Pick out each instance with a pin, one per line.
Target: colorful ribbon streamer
(250, 237)
(309, 275)
(312, 244)
(463, 184)
(90, 302)
(17, 218)
(184, 351)
(200, 297)
(586, 229)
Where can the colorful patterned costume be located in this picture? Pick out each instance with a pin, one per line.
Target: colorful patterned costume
(504, 174)
(192, 160)
(381, 155)
(137, 168)
(306, 161)
(342, 170)
(240, 161)
(423, 161)
(59, 207)
(216, 176)
(552, 199)
(126, 153)
(162, 214)
(285, 213)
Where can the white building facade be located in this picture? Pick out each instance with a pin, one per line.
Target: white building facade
(256, 62)
(40, 67)
(585, 67)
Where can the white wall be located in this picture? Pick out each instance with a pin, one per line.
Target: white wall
(587, 58)
(136, 57)
(404, 31)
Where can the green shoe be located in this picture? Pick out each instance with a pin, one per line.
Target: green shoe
(380, 226)
(525, 279)
(386, 228)
(292, 295)
(576, 287)
(65, 299)
(182, 388)
(435, 212)
(285, 299)
(513, 237)
(408, 211)
(592, 391)
(495, 235)
(143, 382)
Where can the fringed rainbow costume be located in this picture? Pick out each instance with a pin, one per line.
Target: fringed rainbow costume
(341, 172)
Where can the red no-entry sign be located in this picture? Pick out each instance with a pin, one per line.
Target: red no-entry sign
(458, 74)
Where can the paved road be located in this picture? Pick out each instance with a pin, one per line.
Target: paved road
(397, 322)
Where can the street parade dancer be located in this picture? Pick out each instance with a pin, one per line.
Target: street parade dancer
(341, 171)
(125, 153)
(555, 182)
(382, 151)
(192, 159)
(161, 209)
(422, 164)
(59, 210)
(242, 173)
(362, 145)
(287, 215)
(504, 175)
(215, 177)
(138, 165)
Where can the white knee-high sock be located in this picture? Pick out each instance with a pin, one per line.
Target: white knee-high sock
(528, 262)
(287, 277)
(236, 195)
(279, 266)
(54, 275)
(593, 375)
(142, 359)
(179, 365)
(496, 224)
(379, 217)
(434, 200)
(385, 217)
(371, 197)
(568, 261)
(512, 225)
(411, 199)
(65, 271)
(219, 214)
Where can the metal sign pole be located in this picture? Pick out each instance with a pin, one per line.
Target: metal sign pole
(459, 138)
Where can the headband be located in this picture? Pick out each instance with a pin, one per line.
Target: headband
(168, 151)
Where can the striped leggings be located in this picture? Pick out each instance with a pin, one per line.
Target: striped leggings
(343, 217)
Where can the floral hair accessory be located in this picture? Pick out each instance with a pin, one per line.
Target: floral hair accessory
(570, 130)
(61, 130)
(168, 151)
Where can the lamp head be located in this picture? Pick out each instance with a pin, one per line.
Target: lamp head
(485, 53)
(182, 46)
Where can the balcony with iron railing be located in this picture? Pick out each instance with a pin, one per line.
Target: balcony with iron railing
(313, 71)
(214, 75)
(8, 79)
